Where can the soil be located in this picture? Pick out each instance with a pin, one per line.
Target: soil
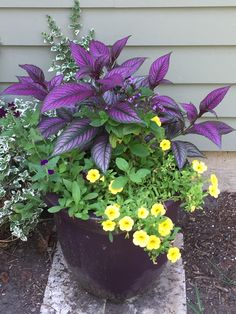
(24, 268)
(210, 257)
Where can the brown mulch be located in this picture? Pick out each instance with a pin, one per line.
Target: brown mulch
(24, 268)
(210, 256)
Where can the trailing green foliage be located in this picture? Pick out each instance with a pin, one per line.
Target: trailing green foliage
(59, 43)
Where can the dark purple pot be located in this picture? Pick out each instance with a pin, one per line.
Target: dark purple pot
(116, 270)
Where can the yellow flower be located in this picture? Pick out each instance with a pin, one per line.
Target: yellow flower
(157, 120)
(140, 238)
(112, 212)
(112, 190)
(214, 180)
(165, 145)
(192, 209)
(199, 166)
(108, 225)
(143, 212)
(93, 175)
(153, 243)
(165, 227)
(126, 223)
(158, 209)
(102, 179)
(214, 191)
(173, 254)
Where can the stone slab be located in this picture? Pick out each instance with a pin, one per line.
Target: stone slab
(63, 295)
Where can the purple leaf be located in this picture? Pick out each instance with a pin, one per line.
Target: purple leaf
(133, 64)
(213, 99)
(191, 111)
(173, 126)
(98, 65)
(80, 55)
(51, 125)
(111, 82)
(138, 81)
(123, 113)
(122, 71)
(165, 82)
(101, 152)
(117, 47)
(55, 81)
(25, 79)
(111, 98)
(83, 71)
(158, 70)
(66, 95)
(76, 135)
(180, 153)
(65, 113)
(97, 49)
(192, 150)
(167, 105)
(24, 89)
(211, 130)
(34, 72)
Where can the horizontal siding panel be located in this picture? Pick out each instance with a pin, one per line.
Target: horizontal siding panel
(148, 27)
(202, 65)
(117, 3)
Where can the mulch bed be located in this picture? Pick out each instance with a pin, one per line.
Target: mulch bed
(24, 268)
(210, 256)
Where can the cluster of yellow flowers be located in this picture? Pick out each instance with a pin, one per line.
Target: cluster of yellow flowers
(164, 144)
(213, 188)
(94, 175)
(200, 167)
(140, 237)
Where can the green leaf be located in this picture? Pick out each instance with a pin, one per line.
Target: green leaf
(76, 192)
(97, 122)
(119, 182)
(90, 196)
(110, 235)
(146, 92)
(54, 209)
(122, 164)
(139, 150)
(112, 140)
(68, 184)
(53, 162)
(142, 173)
(138, 176)
(131, 129)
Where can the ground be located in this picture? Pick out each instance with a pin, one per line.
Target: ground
(209, 257)
(24, 268)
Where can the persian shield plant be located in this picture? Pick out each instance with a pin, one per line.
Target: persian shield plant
(117, 138)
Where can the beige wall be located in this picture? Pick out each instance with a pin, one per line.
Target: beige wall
(201, 35)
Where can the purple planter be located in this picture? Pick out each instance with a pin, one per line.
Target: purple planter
(115, 271)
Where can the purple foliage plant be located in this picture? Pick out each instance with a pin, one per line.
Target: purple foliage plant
(107, 95)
